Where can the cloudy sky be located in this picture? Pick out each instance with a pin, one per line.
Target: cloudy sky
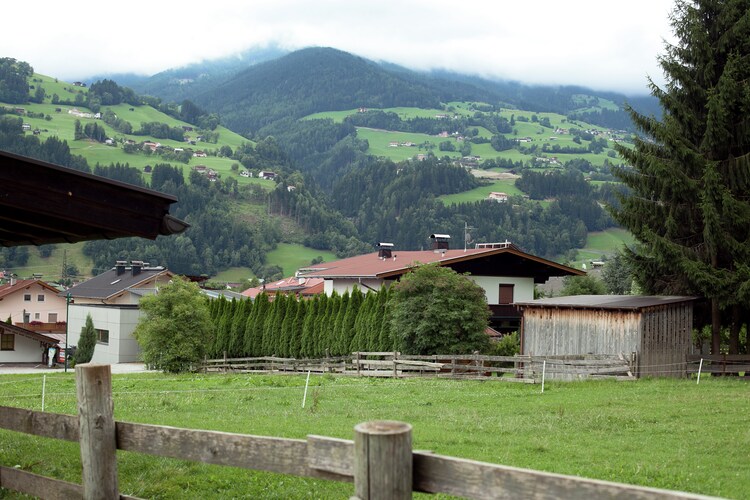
(600, 44)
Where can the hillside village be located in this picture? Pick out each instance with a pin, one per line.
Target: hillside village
(546, 284)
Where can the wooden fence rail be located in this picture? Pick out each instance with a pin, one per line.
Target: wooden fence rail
(380, 461)
(724, 364)
(526, 369)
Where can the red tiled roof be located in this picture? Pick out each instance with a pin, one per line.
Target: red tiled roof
(372, 266)
(9, 289)
(308, 286)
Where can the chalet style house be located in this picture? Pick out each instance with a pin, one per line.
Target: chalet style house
(506, 273)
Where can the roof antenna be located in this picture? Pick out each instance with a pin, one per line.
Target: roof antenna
(467, 235)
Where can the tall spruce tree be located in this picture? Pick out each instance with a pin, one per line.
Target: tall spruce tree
(689, 180)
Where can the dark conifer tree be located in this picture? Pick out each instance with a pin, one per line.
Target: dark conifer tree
(262, 306)
(307, 343)
(295, 338)
(287, 327)
(688, 204)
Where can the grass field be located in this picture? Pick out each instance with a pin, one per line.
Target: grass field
(507, 186)
(670, 434)
(290, 257)
(602, 243)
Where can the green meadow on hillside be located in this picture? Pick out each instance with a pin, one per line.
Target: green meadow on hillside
(507, 186)
(601, 244)
(527, 124)
(290, 257)
(59, 122)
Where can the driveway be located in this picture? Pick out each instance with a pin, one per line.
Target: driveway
(8, 368)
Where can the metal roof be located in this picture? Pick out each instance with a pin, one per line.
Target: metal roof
(110, 283)
(606, 301)
(43, 203)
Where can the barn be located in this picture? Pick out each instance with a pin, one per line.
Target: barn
(656, 328)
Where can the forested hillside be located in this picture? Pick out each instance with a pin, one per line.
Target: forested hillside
(328, 191)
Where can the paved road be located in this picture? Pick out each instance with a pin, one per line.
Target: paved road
(7, 368)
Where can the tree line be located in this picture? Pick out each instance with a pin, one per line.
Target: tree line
(289, 327)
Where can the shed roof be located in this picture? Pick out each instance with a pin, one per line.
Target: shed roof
(633, 302)
(43, 203)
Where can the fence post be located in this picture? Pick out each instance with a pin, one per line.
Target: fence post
(395, 368)
(358, 365)
(96, 424)
(382, 460)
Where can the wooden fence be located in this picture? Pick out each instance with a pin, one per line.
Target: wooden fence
(525, 369)
(719, 364)
(380, 460)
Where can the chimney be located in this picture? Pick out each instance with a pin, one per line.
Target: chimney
(440, 242)
(384, 250)
(12, 280)
(120, 267)
(136, 266)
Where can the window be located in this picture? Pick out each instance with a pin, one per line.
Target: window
(7, 342)
(102, 336)
(52, 318)
(506, 294)
(40, 298)
(37, 316)
(27, 297)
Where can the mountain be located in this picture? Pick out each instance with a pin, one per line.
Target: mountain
(178, 84)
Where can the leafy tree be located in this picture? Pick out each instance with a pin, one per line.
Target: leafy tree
(175, 328)
(436, 310)
(690, 175)
(582, 285)
(86, 342)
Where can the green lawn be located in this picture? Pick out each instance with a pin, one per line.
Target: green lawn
(290, 257)
(670, 434)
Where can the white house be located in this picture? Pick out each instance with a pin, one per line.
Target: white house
(111, 299)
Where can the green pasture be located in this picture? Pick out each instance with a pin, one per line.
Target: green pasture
(603, 243)
(379, 141)
(291, 257)
(507, 186)
(661, 433)
(51, 267)
(234, 275)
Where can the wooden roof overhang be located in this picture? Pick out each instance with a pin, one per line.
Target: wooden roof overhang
(43, 203)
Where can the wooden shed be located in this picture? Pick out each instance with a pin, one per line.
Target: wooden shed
(656, 328)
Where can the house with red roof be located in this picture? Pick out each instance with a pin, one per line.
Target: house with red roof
(505, 272)
(32, 301)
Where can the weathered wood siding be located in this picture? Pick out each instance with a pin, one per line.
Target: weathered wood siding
(557, 331)
(660, 336)
(666, 337)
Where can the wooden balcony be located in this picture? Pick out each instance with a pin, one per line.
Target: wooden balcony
(505, 311)
(38, 326)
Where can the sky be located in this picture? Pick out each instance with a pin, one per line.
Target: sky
(600, 44)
